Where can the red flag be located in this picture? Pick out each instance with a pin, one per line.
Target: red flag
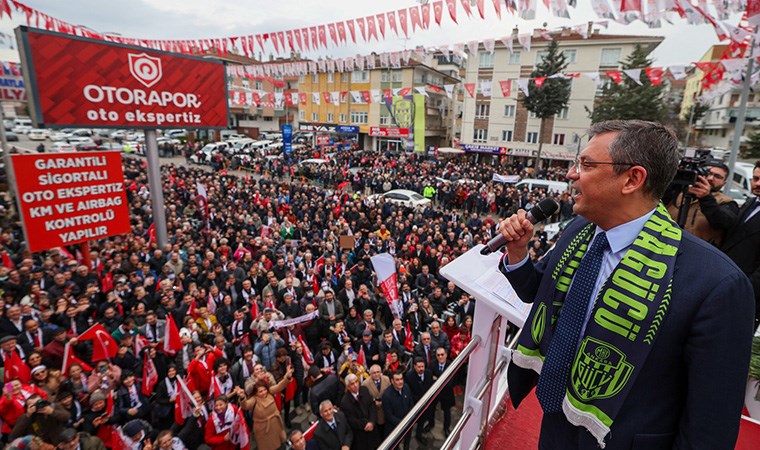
(69, 358)
(408, 340)
(343, 184)
(539, 81)
(15, 367)
(108, 433)
(185, 404)
(309, 433)
(470, 87)
(615, 75)
(290, 391)
(192, 308)
(466, 7)
(152, 233)
(360, 358)
(438, 11)
(452, 6)
(172, 342)
(319, 264)
(306, 352)
(104, 346)
(315, 285)
(481, 8)
(149, 375)
(506, 87)
(269, 303)
(654, 74)
(140, 343)
(214, 388)
(7, 262)
(254, 310)
(239, 433)
(630, 5)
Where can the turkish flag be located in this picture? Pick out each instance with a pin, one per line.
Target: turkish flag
(361, 359)
(539, 81)
(185, 403)
(615, 75)
(306, 351)
(15, 367)
(470, 87)
(438, 11)
(452, 6)
(149, 375)
(70, 358)
(172, 342)
(409, 340)
(506, 87)
(104, 346)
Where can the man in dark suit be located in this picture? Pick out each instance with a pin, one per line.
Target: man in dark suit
(419, 381)
(397, 402)
(424, 350)
(359, 408)
(446, 394)
(332, 431)
(688, 331)
(742, 241)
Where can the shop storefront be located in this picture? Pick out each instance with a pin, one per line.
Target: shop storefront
(390, 139)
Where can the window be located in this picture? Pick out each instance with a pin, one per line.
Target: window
(383, 76)
(330, 77)
(396, 76)
(532, 137)
(506, 135)
(246, 84)
(610, 57)
(482, 110)
(302, 79)
(301, 115)
(258, 85)
(362, 76)
(315, 78)
(342, 118)
(278, 90)
(315, 117)
(562, 114)
(514, 58)
(485, 60)
(540, 56)
(509, 110)
(385, 119)
(480, 135)
(330, 117)
(268, 119)
(570, 56)
(559, 139)
(359, 117)
(344, 77)
(532, 115)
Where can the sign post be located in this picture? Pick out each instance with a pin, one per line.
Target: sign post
(109, 85)
(287, 142)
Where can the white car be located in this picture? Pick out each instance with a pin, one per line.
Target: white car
(176, 133)
(73, 140)
(59, 147)
(119, 134)
(21, 129)
(168, 140)
(36, 134)
(58, 136)
(403, 197)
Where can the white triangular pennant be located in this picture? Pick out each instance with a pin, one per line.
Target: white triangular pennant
(634, 74)
(449, 88)
(524, 40)
(523, 83)
(489, 45)
(677, 72)
(421, 90)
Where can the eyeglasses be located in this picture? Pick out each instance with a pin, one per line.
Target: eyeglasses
(579, 165)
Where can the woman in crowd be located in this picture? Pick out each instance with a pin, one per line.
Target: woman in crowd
(268, 428)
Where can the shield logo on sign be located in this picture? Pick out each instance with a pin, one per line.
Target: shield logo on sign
(146, 69)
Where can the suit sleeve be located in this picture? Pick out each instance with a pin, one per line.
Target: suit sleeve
(717, 353)
(349, 437)
(526, 278)
(723, 215)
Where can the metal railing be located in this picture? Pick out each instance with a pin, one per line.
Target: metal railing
(405, 426)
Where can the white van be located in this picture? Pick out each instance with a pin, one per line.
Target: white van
(550, 186)
(743, 178)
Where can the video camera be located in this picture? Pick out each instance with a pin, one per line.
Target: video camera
(692, 164)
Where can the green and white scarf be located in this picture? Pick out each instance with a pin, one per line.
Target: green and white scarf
(623, 326)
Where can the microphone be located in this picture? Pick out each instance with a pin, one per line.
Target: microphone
(543, 210)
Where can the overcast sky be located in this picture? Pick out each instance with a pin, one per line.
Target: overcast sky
(195, 19)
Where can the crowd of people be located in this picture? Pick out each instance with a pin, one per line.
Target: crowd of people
(276, 314)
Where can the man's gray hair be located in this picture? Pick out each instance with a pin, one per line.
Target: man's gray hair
(650, 145)
(350, 377)
(325, 402)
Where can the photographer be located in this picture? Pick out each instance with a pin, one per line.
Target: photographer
(42, 419)
(710, 212)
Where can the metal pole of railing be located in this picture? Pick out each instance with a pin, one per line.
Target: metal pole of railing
(398, 434)
(494, 338)
(453, 437)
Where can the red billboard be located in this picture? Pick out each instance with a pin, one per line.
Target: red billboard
(389, 132)
(69, 198)
(80, 82)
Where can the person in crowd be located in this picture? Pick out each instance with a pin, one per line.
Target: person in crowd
(397, 402)
(268, 427)
(709, 212)
(358, 406)
(445, 396)
(419, 380)
(742, 243)
(624, 231)
(333, 429)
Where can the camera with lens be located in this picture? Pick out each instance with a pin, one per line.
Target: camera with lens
(41, 403)
(688, 171)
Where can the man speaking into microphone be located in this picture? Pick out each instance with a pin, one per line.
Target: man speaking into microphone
(641, 333)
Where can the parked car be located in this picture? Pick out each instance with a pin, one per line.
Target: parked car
(36, 134)
(203, 156)
(21, 129)
(57, 136)
(119, 134)
(168, 140)
(175, 133)
(403, 197)
(10, 136)
(58, 147)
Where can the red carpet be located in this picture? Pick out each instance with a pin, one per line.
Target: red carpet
(519, 429)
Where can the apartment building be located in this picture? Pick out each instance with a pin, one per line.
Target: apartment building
(499, 125)
(402, 108)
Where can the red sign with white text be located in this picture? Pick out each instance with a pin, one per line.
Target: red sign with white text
(389, 132)
(75, 81)
(68, 198)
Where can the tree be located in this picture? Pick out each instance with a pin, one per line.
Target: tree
(752, 146)
(552, 95)
(630, 100)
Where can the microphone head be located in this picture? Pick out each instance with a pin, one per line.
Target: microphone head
(545, 208)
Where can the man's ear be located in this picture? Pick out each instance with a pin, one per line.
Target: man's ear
(635, 178)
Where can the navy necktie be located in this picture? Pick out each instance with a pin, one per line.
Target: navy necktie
(555, 373)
